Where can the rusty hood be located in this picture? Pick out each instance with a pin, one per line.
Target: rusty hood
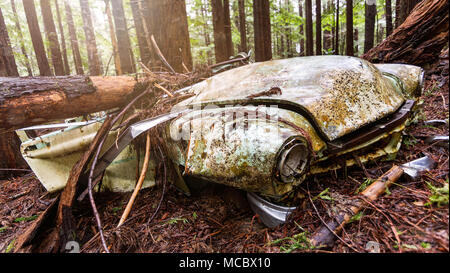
(340, 93)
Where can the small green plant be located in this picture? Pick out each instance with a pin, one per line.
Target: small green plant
(425, 245)
(176, 220)
(439, 195)
(323, 195)
(356, 217)
(10, 247)
(3, 229)
(25, 219)
(409, 142)
(364, 185)
(298, 241)
(194, 215)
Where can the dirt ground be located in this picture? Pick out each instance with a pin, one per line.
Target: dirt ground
(217, 219)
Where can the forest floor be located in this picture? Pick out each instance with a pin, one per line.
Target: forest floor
(408, 218)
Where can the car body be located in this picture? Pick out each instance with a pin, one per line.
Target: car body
(263, 127)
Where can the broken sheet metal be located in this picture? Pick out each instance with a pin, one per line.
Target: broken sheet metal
(438, 140)
(52, 156)
(270, 214)
(436, 122)
(414, 168)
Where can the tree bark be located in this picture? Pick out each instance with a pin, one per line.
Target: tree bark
(309, 29)
(242, 26)
(262, 31)
(302, 39)
(63, 40)
(112, 34)
(124, 47)
(144, 50)
(220, 38)
(388, 8)
(318, 27)
(349, 29)
(36, 100)
(95, 67)
(227, 27)
(73, 40)
(36, 38)
(8, 65)
(419, 39)
(369, 24)
(20, 34)
(52, 37)
(336, 31)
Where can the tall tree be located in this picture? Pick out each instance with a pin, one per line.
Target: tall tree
(8, 65)
(140, 31)
(73, 39)
(318, 27)
(242, 26)
(124, 47)
(302, 34)
(402, 9)
(227, 27)
(112, 34)
(36, 38)
(336, 31)
(168, 19)
(52, 37)
(369, 25)
(22, 42)
(95, 67)
(388, 12)
(63, 40)
(349, 29)
(220, 37)
(262, 30)
(309, 29)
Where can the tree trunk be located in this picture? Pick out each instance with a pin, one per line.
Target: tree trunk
(336, 30)
(140, 32)
(309, 29)
(22, 43)
(419, 39)
(8, 65)
(10, 156)
(262, 30)
(349, 29)
(318, 27)
(403, 8)
(220, 38)
(124, 47)
(227, 27)
(36, 38)
(73, 39)
(95, 67)
(52, 37)
(369, 25)
(170, 28)
(63, 40)
(302, 39)
(36, 100)
(388, 17)
(112, 34)
(242, 27)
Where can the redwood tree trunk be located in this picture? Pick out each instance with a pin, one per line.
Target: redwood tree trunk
(309, 29)
(95, 67)
(112, 34)
(369, 25)
(8, 65)
(302, 39)
(19, 33)
(63, 40)
(73, 40)
(123, 45)
(227, 27)
(220, 38)
(263, 36)
(36, 38)
(52, 37)
(419, 39)
(318, 27)
(36, 100)
(388, 17)
(336, 31)
(242, 27)
(140, 31)
(349, 29)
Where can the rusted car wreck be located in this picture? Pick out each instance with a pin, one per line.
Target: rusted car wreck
(262, 127)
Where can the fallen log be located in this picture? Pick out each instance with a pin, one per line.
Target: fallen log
(35, 100)
(419, 39)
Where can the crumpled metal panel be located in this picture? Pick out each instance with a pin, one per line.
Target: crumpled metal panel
(342, 93)
(410, 75)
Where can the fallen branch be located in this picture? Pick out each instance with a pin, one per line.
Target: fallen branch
(160, 55)
(139, 183)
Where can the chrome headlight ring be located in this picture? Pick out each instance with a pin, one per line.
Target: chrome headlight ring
(293, 160)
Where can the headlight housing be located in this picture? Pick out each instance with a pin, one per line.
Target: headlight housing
(293, 160)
